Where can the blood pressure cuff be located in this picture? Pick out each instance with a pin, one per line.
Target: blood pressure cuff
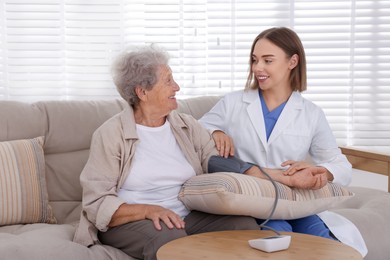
(231, 164)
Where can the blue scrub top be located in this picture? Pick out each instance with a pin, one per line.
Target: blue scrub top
(270, 117)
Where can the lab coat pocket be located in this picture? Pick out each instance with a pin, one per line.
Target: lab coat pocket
(296, 142)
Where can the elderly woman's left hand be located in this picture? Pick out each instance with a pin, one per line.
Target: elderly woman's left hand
(133, 212)
(309, 178)
(157, 214)
(298, 166)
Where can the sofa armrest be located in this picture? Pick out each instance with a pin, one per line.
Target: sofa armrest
(365, 160)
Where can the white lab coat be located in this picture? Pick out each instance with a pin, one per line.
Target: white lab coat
(301, 132)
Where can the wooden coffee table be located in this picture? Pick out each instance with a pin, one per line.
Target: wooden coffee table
(229, 245)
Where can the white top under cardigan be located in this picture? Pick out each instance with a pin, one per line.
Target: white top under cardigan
(301, 131)
(158, 170)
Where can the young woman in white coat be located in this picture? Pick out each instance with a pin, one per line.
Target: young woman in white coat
(270, 124)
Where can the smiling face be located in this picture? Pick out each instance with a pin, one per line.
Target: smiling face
(271, 66)
(161, 98)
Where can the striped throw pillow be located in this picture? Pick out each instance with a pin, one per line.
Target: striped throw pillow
(239, 194)
(23, 193)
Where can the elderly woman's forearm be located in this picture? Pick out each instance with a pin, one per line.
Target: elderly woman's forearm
(128, 213)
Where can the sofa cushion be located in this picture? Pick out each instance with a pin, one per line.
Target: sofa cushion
(239, 194)
(197, 106)
(24, 196)
(67, 127)
(47, 242)
(370, 212)
(70, 125)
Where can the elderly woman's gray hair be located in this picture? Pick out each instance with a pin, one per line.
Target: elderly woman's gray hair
(137, 68)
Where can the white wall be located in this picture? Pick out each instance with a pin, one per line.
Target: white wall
(367, 179)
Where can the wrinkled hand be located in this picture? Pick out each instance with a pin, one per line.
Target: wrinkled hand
(295, 166)
(309, 178)
(223, 143)
(312, 177)
(170, 218)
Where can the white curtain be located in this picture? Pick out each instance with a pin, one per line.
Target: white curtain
(52, 49)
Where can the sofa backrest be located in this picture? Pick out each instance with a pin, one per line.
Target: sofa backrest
(68, 127)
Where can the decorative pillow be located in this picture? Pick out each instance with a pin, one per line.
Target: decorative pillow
(23, 194)
(238, 194)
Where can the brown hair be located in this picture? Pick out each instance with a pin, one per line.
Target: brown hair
(289, 42)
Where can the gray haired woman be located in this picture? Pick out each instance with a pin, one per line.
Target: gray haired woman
(139, 160)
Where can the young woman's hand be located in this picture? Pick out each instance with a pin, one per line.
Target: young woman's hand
(223, 143)
(295, 166)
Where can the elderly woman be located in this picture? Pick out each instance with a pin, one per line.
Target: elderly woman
(139, 160)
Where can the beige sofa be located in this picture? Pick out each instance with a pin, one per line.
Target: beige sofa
(67, 127)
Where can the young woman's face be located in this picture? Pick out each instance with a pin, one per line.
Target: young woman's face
(271, 67)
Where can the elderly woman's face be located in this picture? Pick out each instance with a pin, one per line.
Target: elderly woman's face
(162, 95)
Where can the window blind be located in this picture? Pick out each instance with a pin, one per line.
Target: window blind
(370, 93)
(63, 49)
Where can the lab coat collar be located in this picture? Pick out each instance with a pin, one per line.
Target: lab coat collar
(254, 109)
(293, 106)
(255, 113)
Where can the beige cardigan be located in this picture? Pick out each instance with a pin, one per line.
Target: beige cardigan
(112, 149)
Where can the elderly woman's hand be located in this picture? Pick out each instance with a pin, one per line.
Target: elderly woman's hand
(133, 212)
(309, 178)
(298, 166)
(157, 214)
(223, 143)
